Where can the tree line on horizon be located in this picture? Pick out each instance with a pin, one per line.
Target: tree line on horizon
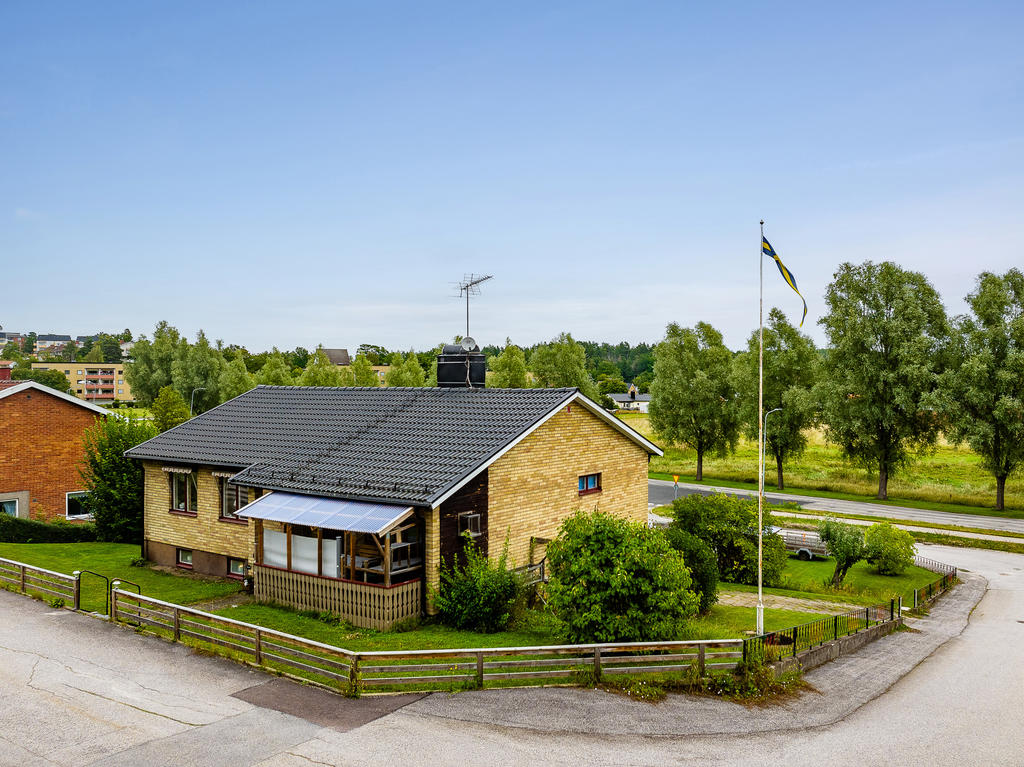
(897, 373)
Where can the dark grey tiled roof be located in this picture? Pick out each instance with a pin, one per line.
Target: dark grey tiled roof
(338, 356)
(392, 444)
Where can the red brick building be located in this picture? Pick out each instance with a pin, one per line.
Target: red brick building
(41, 450)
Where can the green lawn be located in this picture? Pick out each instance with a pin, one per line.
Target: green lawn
(538, 628)
(113, 560)
(862, 581)
(951, 478)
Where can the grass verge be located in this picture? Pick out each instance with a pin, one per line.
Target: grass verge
(114, 561)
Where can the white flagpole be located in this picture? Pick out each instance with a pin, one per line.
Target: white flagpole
(760, 431)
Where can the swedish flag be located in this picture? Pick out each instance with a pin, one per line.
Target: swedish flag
(768, 250)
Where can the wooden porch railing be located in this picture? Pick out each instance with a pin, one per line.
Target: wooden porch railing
(364, 605)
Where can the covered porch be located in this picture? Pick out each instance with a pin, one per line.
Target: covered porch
(361, 561)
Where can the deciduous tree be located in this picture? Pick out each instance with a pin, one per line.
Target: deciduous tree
(195, 373)
(509, 368)
(790, 372)
(887, 328)
(235, 379)
(169, 409)
(844, 543)
(114, 483)
(320, 371)
(275, 372)
(150, 368)
(982, 392)
(692, 398)
(563, 363)
(363, 372)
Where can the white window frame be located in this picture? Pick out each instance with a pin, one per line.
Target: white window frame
(471, 519)
(178, 560)
(233, 574)
(67, 510)
(17, 508)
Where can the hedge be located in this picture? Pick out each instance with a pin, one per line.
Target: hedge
(17, 530)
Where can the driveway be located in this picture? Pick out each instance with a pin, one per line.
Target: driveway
(661, 492)
(78, 691)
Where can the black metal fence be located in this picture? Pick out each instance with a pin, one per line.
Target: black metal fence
(788, 642)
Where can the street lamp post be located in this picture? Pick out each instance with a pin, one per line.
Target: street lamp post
(192, 399)
(760, 524)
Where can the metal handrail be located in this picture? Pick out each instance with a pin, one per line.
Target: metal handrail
(106, 589)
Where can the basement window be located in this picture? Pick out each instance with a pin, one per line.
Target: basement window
(236, 568)
(469, 523)
(184, 558)
(590, 483)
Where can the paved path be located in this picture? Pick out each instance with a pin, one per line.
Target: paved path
(78, 691)
(660, 492)
(813, 518)
(777, 602)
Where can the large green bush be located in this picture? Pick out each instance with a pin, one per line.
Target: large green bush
(616, 581)
(890, 549)
(114, 482)
(480, 594)
(728, 525)
(17, 530)
(702, 563)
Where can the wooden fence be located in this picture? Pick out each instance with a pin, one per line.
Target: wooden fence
(450, 669)
(36, 581)
(361, 604)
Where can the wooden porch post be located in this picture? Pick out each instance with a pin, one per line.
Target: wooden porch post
(351, 556)
(288, 533)
(387, 561)
(319, 551)
(259, 541)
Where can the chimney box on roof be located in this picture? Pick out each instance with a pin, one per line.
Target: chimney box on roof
(459, 368)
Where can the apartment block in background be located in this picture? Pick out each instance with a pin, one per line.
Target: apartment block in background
(98, 382)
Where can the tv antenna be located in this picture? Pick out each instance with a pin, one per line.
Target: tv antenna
(470, 286)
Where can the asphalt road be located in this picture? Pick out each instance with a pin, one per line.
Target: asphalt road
(660, 492)
(78, 691)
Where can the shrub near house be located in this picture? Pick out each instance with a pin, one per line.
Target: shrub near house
(617, 581)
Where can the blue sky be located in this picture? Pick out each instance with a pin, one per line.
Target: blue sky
(301, 173)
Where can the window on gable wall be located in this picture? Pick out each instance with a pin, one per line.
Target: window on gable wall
(589, 483)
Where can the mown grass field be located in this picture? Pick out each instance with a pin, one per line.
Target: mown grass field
(114, 561)
(950, 475)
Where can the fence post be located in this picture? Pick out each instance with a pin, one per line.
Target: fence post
(900, 605)
(835, 627)
(113, 600)
(915, 599)
(892, 609)
(480, 671)
(597, 664)
(177, 624)
(77, 598)
(22, 568)
(794, 641)
(867, 617)
(353, 677)
(701, 659)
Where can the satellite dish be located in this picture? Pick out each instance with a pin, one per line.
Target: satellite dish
(468, 344)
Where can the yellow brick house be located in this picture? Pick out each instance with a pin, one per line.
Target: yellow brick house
(346, 499)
